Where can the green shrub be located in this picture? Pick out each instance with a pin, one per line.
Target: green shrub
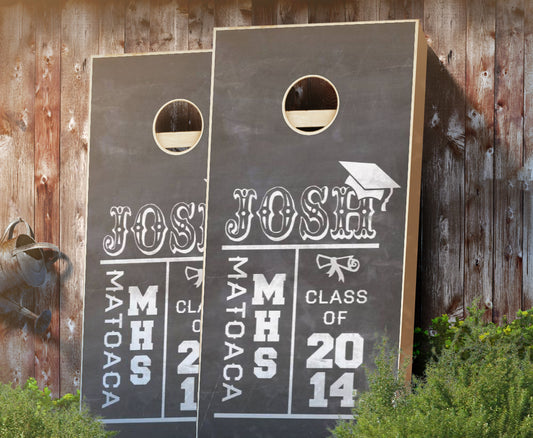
(478, 384)
(29, 412)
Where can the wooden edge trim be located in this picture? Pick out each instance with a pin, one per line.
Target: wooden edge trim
(130, 55)
(86, 216)
(343, 23)
(310, 118)
(181, 139)
(206, 218)
(413, 201)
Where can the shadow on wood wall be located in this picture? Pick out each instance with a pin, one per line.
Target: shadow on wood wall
(476, 203)
(440, 267)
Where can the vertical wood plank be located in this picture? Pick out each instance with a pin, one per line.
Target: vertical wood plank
(361, 10)
(387, 9)
(245, 6)
(263, 12)
(527, 289)
(418, 10)
(169, 25)
(314, 94)
(479, 151)
(446, 30)
(17, 50)
(401, 9)
(80, 28)
(442, 218)
(292, 12)
(47, 219)
(232, 13)
(509, 95)
(409, 9)
(137, 28)
(369, 10)
(201, 23)
(169, 31)
(326, 12)
(111, 27)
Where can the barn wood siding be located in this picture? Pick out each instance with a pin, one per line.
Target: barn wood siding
(476, 205)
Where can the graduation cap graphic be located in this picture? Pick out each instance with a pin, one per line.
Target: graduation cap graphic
(369, 181)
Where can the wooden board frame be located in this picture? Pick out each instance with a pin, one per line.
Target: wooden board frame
(175, 186)
(252, 423)
(413, 202)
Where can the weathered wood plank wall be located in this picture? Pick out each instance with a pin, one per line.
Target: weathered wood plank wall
(477, 210)
(17, 153)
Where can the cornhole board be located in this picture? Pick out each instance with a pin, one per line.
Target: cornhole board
(146, 211)
(311, 239)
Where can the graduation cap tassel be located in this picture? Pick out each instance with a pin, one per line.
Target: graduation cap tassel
(384, 205)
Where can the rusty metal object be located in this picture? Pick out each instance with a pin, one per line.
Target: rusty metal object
(41, 322)
(22, 264)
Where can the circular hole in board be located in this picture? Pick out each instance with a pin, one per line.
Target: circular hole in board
(178, 126)
(310, 105)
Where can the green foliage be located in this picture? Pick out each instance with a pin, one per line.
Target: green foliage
(478, 384)
(29, 412)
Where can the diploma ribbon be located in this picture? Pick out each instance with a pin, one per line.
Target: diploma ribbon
(194, 274)
(337, 264)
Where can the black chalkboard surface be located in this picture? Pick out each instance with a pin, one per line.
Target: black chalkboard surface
(312, 221)
(146, 211)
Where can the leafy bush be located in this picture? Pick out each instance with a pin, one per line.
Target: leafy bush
(29, 412)
(478, 384)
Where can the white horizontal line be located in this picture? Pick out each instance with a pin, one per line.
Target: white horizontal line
(302, 246)
(154, 260)
(148, 420)
(286, 416)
